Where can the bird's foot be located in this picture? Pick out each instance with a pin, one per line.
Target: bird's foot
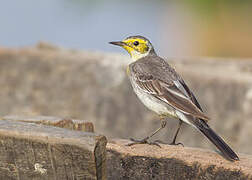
(176, 144)
(142, 141)
(172, 143)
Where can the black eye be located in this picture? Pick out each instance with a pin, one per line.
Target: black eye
(136, 43)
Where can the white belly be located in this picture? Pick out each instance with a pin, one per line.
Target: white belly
(153, 103)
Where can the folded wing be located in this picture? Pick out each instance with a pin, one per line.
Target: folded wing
(174, 93)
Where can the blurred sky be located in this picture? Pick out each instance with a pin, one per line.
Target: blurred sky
(77, 24)
(184, 29)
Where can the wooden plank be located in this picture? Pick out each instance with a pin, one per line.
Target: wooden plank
(67, 123)
(172, 162)
(33, 151)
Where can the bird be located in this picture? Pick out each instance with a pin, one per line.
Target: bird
(162, 90)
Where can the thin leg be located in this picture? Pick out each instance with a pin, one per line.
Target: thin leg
(176, 134)
(145, 140)
(174, 139)
(163, 124)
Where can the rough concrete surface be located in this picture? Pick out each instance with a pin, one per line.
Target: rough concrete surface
(172, 162)
(52, 81)
(32, 151)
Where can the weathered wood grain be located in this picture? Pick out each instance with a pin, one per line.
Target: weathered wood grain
(67, 123)
(32, 151)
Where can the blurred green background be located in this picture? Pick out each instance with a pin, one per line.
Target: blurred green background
(176, 28)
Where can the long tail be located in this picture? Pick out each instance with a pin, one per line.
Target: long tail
(216, 140)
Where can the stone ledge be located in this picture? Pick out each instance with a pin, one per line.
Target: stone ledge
(172, 162)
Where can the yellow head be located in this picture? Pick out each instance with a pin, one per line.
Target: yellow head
(137, 46)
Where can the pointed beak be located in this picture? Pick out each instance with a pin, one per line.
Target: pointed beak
(118, 43)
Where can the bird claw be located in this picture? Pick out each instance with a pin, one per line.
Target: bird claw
(142, 141)
(172, 143)
(176, 144)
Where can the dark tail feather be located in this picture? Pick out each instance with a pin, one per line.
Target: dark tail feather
(216, 140)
